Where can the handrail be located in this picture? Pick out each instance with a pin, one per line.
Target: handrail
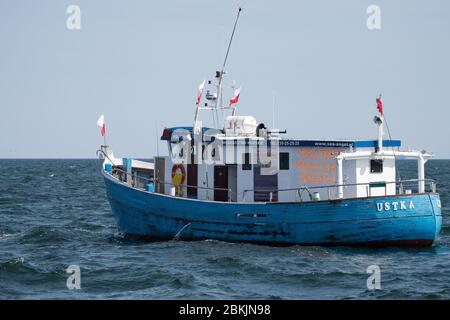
(299, 190)
(135, 176)
(115, 168)
(198, 187)
(338, 185)
(328, 187)
(100, 150)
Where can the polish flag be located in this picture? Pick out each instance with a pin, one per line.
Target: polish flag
(200, 91)
(101, 123)
(380, 105)
(235, 99)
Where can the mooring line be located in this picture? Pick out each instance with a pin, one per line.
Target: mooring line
(177, 236)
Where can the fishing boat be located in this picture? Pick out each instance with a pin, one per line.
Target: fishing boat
(241, 181)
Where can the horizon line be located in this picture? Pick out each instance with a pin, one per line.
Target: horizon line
(85, 158)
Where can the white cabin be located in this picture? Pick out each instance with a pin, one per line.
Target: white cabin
(239, 164)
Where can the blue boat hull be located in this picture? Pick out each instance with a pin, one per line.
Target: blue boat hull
(412, 220)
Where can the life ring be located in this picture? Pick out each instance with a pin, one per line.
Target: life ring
(178, 174)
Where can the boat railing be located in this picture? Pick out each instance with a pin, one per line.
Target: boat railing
(313, 192)
(141, 182)
(186, 186)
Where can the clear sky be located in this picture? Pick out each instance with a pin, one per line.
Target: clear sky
(140, 62)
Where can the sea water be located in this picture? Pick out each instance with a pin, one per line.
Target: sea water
(54, 214)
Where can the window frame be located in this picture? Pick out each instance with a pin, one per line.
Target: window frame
(381, 167)
(246, 164)
(288, 161)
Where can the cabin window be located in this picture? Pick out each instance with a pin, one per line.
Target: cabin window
(246, 165)
(376, 166)
(284, 160)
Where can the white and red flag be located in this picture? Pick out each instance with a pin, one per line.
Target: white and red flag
(380, 105)
(200, 91)
(101, 123)
(235, 99)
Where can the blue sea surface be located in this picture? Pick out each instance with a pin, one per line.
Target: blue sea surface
(54, 213)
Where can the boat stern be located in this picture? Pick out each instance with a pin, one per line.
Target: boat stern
(437, 211)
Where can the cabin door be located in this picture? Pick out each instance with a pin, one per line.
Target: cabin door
(159, 174)
(192, 180)
(220, 181)
(232, 181)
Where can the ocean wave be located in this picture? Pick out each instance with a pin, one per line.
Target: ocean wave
(5, 232)
(17, 265)
(445, 230)
(226, 264)
(43, 234)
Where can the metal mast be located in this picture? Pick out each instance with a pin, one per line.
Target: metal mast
(219, 75)
(219, 86)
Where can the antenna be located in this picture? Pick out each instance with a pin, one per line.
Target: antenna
(219, 89)
(217, 97)
(157, 140)
(273, 109)
(231, 39)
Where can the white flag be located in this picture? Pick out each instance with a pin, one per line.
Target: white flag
(101, 123)
(200, 91)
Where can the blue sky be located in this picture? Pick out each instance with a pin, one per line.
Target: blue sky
(140, 63)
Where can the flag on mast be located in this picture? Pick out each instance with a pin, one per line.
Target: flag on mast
(235, 99)
(101, 123)
(380, 105)
(200, 91)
